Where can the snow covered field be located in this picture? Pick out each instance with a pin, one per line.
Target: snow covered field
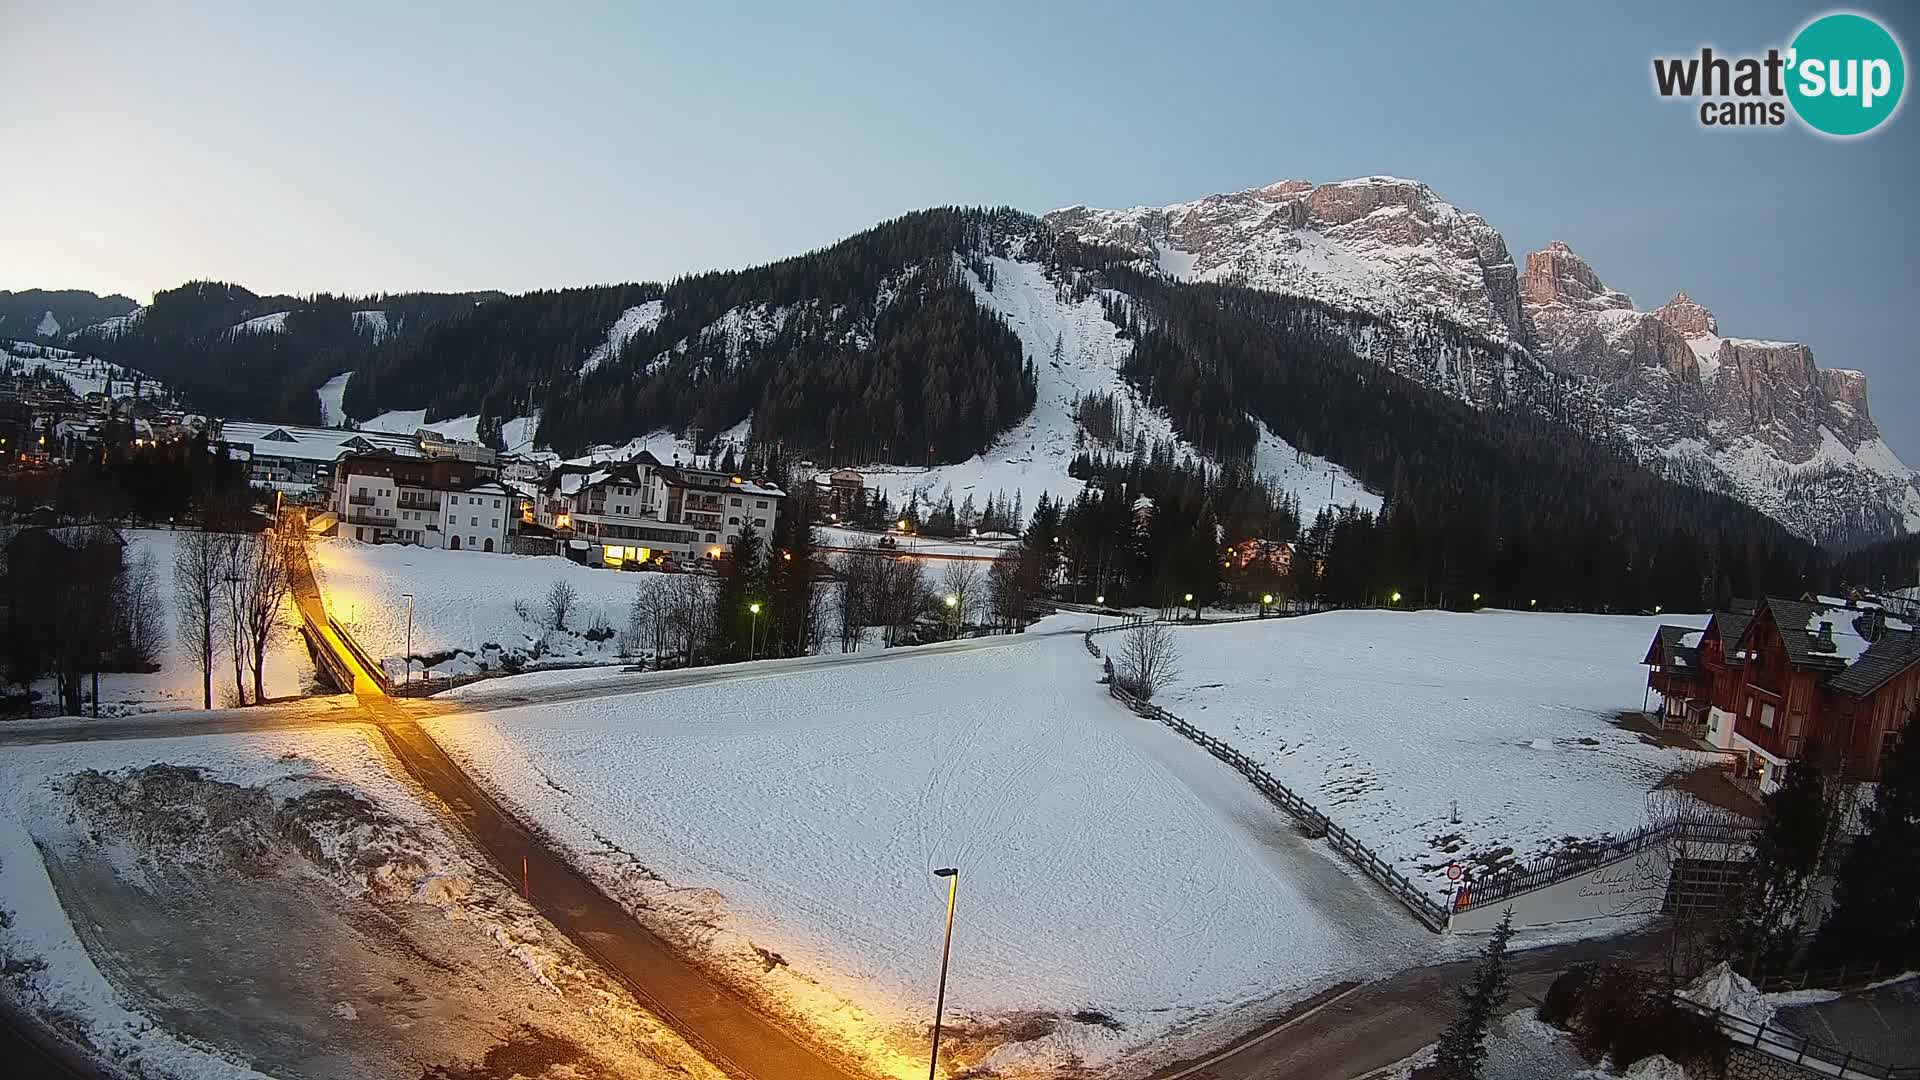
(213, 906)
(466, 600)
(177, 685)
(1116, 883)
(1386, 720)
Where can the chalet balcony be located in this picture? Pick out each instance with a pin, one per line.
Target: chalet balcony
(370, 517)
(360, 500)
(703, 521)
(419, 503)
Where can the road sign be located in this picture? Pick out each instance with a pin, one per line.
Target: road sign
(1455, 871)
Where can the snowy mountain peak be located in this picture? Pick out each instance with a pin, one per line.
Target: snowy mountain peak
(1555, 275)
(1687, 316)
(1756, 419)
(1380, 244)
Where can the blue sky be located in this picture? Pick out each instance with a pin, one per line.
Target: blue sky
(368, 147)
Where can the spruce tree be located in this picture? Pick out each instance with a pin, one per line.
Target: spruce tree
(1463, 1047)
(1766, 925)
(741, 585)
(1876, 910)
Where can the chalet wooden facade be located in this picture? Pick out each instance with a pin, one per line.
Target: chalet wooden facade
(1770, 682)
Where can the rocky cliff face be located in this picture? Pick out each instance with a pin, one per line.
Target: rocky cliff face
(1757, 419)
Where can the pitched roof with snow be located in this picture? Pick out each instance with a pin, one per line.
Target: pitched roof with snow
(1893, 653)
(312, 443)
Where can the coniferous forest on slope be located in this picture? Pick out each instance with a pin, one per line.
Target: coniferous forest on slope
(874, 349)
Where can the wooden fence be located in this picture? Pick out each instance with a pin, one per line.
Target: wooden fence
(1430, 912)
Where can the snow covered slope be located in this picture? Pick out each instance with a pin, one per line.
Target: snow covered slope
(1755, 419)
(1077, 352)
(635, 320)
(332, 393)
(784, 828)
(85, 374)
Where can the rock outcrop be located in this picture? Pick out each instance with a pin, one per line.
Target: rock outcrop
(1757, 419)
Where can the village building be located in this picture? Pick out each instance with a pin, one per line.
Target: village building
(1769, 681)
(637, 510)
(383, 497)
(299, 460)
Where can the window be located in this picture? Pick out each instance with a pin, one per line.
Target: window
(760, 504)
(496, 504)
(762, 522)
(472, 541)
(736, 502)
(362, 493)
(733, 521)
(473, 521)
(1766, 716)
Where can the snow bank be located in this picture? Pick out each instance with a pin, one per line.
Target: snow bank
(321, 815)
(1720, 987)
(784, 828)
(1389, 722)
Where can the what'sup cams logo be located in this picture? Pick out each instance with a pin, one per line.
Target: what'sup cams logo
(1842, 76)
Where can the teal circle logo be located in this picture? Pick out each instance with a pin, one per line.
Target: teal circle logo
(1845, 74)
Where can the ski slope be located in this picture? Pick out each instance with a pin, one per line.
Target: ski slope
(784, 828)
(1033, 456)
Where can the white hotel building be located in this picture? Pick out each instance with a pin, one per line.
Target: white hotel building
(634, 510)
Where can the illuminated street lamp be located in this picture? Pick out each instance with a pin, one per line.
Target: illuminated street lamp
(753, 627)
(1266, 601)
(1476, 599)
(946, 952)
(1656, 609)
(1533, 603)
(1396, 596)
(953, 613)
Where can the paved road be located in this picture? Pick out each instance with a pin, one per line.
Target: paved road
(1380, 1023)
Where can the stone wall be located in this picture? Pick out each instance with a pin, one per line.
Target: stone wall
(1746, 1063)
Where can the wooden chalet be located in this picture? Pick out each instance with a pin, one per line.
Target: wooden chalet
(1769, 682)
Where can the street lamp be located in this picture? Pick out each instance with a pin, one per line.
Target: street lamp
(409, 598)
(1266, 601)
(1476, 599)
(753, 628)
(946, 952)
(1396, 596)
(953, 613)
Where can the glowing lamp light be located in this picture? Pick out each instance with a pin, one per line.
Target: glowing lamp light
(1396, 596)
(1101, 599)
(1476, 598)
(1189, 598)
(1656, 609)
(901, 524)
(1533, 603)
(952, 600)
(1266, 598)
(754, 607)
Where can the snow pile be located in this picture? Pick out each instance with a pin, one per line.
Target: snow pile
(636, 320)
(472, 610)
(333, 855)
(782, 824)
(1720, 987)
(1436, 737)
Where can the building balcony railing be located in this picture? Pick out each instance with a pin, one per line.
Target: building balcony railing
(369, 517)
(419, 504)
(360, 500)
(704, 521)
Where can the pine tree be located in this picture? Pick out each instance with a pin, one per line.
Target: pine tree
(742, 584)
(1771, 915)
(1463, 1047)
(1876, 910)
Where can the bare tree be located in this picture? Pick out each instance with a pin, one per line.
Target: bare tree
(1010, 589)
(861, 574)
(1147, 660)
(236, 552)
(961, 580)
(264, 580)
(198, 564)
(561, 599)
(141, 613)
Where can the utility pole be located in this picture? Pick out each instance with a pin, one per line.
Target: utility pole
(940, 1003)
